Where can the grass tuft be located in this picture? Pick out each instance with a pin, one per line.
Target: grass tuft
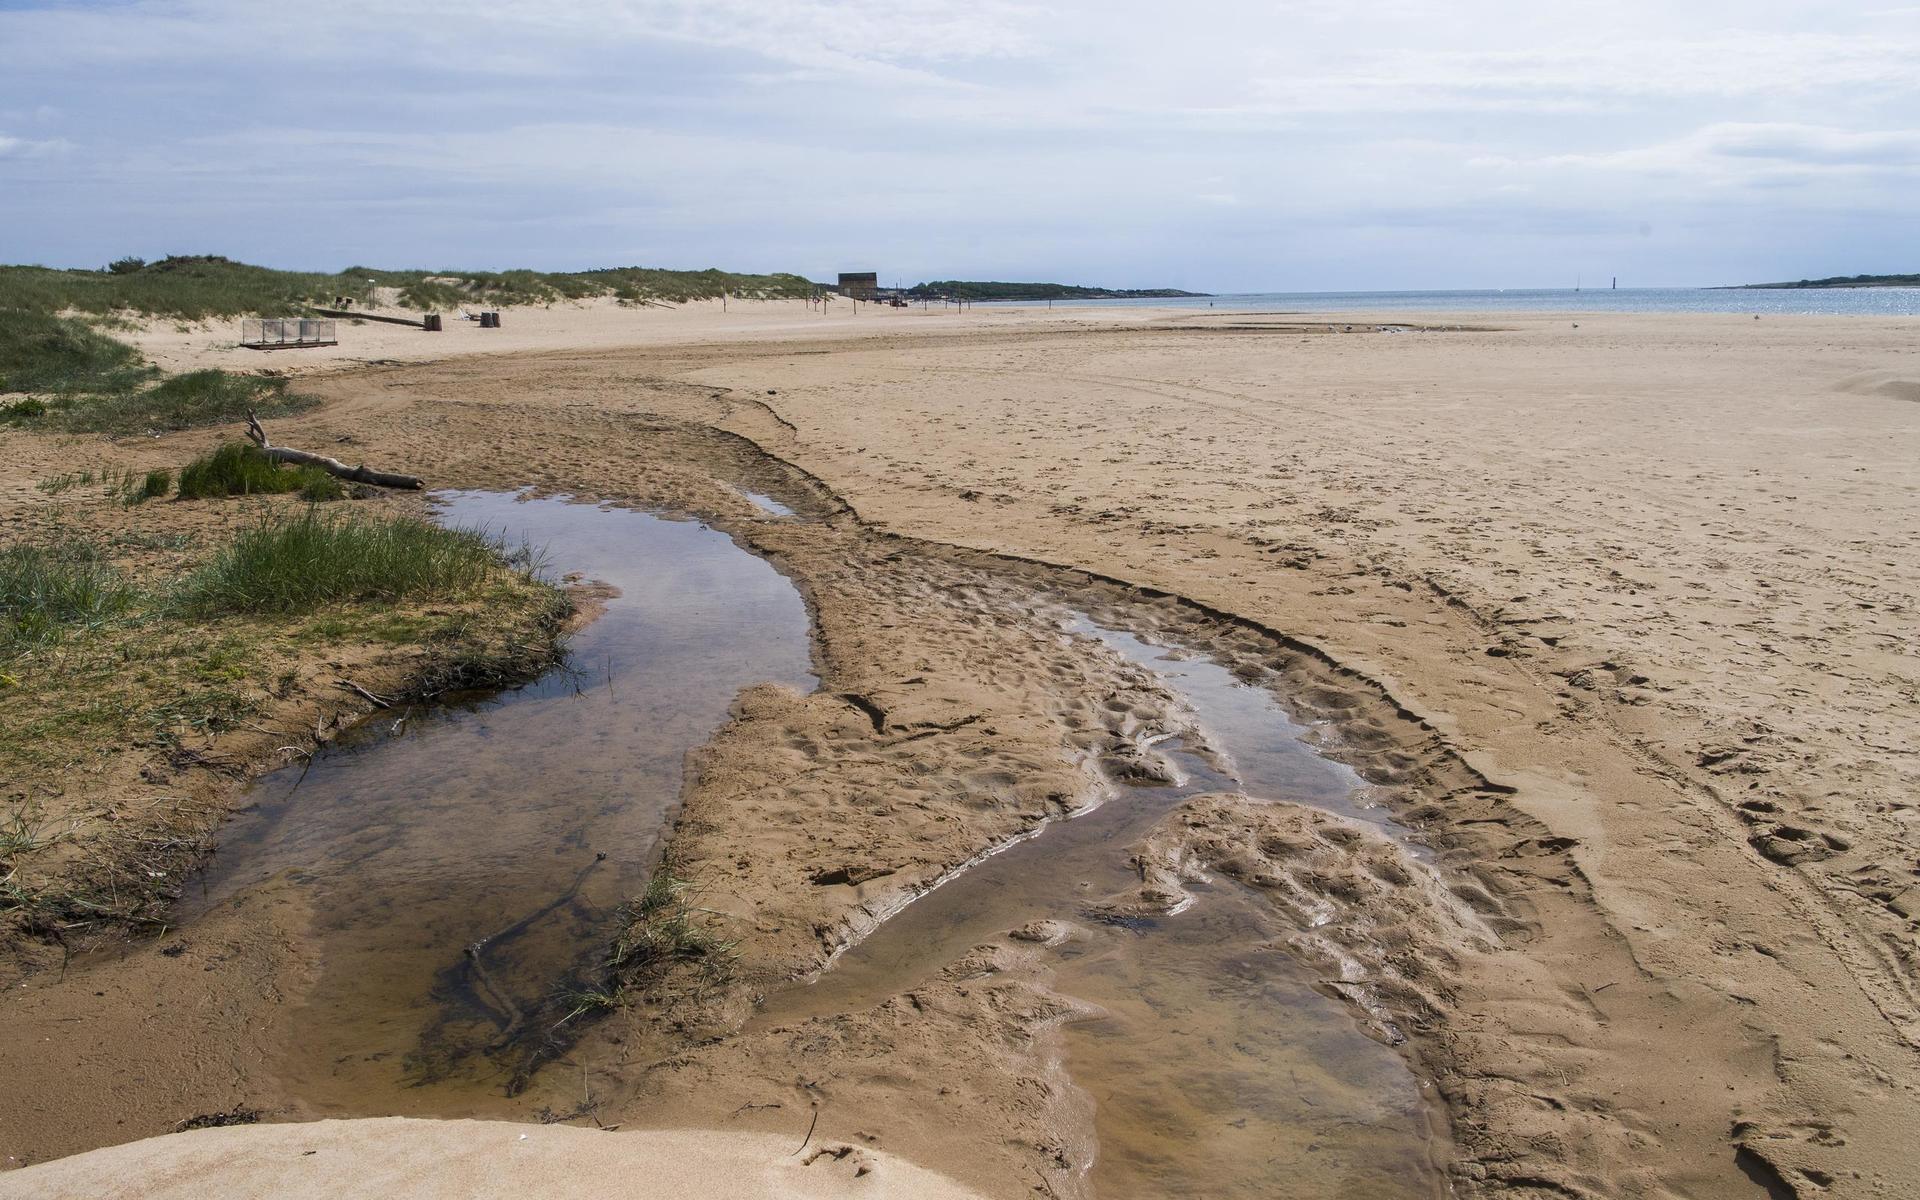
(296, 564)
(662, 931)
(318, 487)
(242, 469)
(46, 592)
(23, 831)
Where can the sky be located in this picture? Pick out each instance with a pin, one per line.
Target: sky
(1214, 145)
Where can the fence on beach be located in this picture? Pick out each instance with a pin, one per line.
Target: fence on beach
(285, 333)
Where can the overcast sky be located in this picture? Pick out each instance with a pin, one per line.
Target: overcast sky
(1219, 146)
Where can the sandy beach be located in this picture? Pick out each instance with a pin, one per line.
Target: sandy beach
(1616, 613)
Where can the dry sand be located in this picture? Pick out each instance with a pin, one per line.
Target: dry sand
(453, 1160)
(1622, 613)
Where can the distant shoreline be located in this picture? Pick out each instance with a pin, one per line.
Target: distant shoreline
(1832, 281)
(997, 290)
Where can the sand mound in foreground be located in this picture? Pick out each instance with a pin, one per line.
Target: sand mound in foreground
(394, 1157)
(1896, 385)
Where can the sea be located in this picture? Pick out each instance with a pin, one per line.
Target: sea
(1875, 302)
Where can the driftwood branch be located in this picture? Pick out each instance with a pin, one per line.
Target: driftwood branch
(332, 466)
(369, 697)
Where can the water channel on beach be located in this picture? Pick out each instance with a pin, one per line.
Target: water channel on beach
(464, 859)
(1218, 1069)
(461, 860)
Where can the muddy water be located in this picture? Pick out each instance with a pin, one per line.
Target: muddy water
(465, 859)
(1217, 1069)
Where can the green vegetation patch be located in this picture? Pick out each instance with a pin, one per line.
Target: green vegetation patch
(124, 484)
(243, 469)
(290, 564)
(54, 356)
(46, 592)
(198, 398)
(666, 953)
(190, 401)
(71, 378)
(186, 287)
(446, 291)
(205, 287)
(664, 927)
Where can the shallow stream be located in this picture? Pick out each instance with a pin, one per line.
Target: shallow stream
(1218, 1069)
(465, 860)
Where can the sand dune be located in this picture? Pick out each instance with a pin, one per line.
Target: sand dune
(1896, 385)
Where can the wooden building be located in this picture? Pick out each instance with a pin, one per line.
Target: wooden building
(859, 285)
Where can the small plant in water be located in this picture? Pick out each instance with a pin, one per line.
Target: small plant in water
(662, 930)
(661, 934)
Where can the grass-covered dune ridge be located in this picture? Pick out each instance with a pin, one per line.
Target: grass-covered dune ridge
(70, 374)
(207, 286)
(70, 378)
(42, 353)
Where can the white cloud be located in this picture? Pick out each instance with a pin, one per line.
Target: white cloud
(1817, 144)
(1599, 76)
(1744, 148)
(857, 37)
(19, 147)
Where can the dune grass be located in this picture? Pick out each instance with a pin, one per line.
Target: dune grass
(291, 564)
(662, 926)
(449, 290)
(71, 378)
(120, 406)
(241, 469)
(46, 592)
(54, 356)
(197, 287)
(204, 287)
(190, 401)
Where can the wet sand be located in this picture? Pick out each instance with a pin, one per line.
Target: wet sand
(1620, 614)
